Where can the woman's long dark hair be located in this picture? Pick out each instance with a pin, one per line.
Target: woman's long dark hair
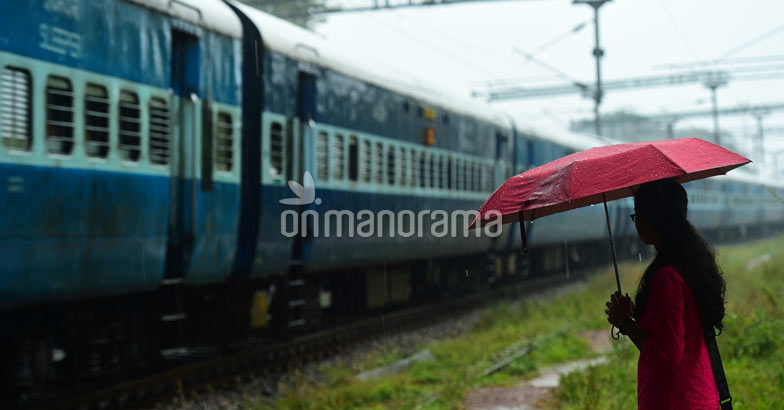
(663, 204)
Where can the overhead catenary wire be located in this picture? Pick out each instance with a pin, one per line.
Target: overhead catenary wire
(753, 41)
(548, 67)
(502, 55)
(431, 46)
(677, 26)
(726, 61)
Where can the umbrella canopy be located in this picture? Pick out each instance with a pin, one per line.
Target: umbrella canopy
(603, 174)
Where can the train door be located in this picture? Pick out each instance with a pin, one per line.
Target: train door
(184, 189)
(306, 116)
(300, 292)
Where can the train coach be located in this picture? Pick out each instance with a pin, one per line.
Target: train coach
(186, 173)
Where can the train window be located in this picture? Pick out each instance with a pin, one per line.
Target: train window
(441, 172)
(366, 161)
(404, 169)
(390, 165)
(224, 142)
(413, 167)
(433, 171)
(159, 131)
(481, 170)
(490, 173)
(353, 160)
(130, 147)
(475, 177)
(276, 149)
(422, 170)
(458, 174)
(322, 156)
(338, 166)
(482, 177)
(15, 113)
(470, 176)
(96, 121)
(467, 175)
(59, 116)
(449, 173)
(379, 165)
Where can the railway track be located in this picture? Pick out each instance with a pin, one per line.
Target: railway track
(266, 358)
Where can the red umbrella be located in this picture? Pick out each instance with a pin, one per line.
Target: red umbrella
(603, 174)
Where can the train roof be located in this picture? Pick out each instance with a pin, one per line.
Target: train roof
(751, 178)
(561, 136)
(291, 40)
(303, 45)
(213, 15)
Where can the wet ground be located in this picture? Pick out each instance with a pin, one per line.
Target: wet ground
(536, 393)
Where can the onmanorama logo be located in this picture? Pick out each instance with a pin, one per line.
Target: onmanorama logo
(365, 223)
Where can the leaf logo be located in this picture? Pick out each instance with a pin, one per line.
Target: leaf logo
(306, 194)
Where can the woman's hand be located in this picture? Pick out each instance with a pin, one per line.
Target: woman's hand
(619, 308)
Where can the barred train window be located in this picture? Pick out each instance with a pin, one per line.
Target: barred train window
(159, 131)
(482, 177)
(366, 161)
(477, 178)
(470, 178)
(338, 165)
(422, 170)
(488, 181)
(353, 160)
(412, 174)
(130, 147)
(404, 169)
(458, 174)
(466, 175)
(449, 173)
(322, 158)
(96, 121)
(59, 116)
(276, 149)
(379, 163)
(390, 165)
(224, 142)
(441, 172)
(15, 113)
(433, 170)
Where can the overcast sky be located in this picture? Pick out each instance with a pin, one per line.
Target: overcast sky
(463, 46)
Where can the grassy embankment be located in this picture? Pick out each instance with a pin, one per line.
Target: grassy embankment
(752, 345)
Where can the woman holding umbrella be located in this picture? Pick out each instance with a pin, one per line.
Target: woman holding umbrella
(680, 294)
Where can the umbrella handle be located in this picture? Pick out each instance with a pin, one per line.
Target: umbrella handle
(613, 335)
(612, 244)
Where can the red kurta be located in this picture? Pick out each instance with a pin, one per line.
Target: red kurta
(674, 370)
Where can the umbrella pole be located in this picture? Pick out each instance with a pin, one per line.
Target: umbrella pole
(612, 244)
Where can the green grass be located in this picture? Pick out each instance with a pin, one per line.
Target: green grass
(751, 345)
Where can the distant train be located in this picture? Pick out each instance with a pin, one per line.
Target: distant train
(146, 148)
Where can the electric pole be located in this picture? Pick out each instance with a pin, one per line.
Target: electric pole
(598, 53)
(713, 84)
(759, 144)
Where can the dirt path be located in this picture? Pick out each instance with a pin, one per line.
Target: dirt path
(536, 393)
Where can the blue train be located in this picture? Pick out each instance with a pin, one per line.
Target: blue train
(148, 149)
